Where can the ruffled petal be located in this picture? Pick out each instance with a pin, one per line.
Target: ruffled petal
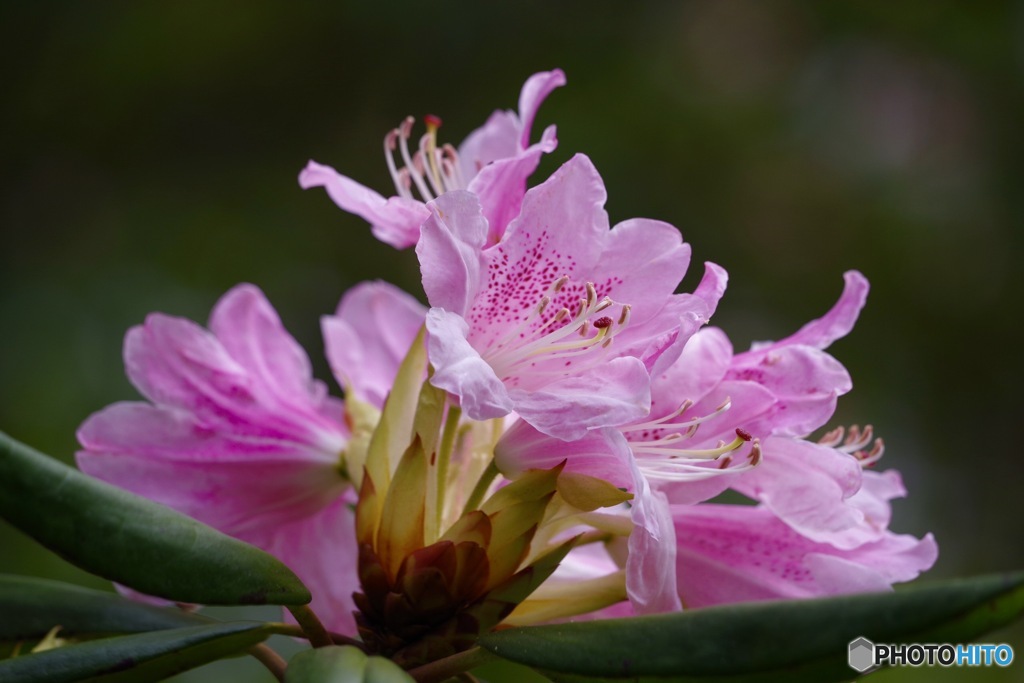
(651, 582)
(322, 550)
(805, 381)
(835, 324)
(735, 553)
(501, 185)
(497, 139)
(614, 394)
(809, 487)
(449, 251)
(251, 332)
(176, 363)
(601, 453)
(645, 261)
(232, 484)
(459, 369)
(368, 337)
(395, 220)
(534, 92)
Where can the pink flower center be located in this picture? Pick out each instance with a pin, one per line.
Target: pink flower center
(432, 170)
(543, 344)
(660, 455)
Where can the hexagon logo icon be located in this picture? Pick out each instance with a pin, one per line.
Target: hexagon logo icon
(862, 654)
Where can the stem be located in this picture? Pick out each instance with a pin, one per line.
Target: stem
(297, 632)
(270, 659)
(451, 428)
(443, 669)
(481, 487)
(313, 630)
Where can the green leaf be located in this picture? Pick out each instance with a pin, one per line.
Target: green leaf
(30, 607)
(796, 640)
(343, 664)
(133, 541)
(135, 658)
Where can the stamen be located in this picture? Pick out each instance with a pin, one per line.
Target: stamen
(437, 166)
(654, 448)
(673, 470)
(550, 341)
(433, 123)
(451, 157)
(390, 144)
(404, 131)
(855, 443)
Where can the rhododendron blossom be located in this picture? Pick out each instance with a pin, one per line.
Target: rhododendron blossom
(709, 428)
(561, 320)
(493, 163)
(240, 436)
(544, 440)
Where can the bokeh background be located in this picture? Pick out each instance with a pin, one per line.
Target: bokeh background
(149, 155)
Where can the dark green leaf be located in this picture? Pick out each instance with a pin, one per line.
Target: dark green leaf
(135, 658)
(30, 607)
(343, 664)
(804, 640)
(133, 541)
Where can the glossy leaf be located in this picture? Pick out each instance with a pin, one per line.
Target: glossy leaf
(133, 541)
(137, 658)
(30, 607)
(343, 664)
(798, 640)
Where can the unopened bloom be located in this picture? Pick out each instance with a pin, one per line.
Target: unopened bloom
(493, 163)
(446, 552)
(562, 320)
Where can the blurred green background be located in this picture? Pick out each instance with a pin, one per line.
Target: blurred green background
(150, 152)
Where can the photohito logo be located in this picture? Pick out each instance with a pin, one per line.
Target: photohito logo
(864, 655)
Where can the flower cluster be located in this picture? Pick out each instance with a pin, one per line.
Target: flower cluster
(547, 439)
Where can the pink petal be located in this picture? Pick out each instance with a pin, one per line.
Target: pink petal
(614, 394)
(176, 363)
(322, 551)
(501, 185)
(449, 251)
(712, 286)
(808, 486)
(534, 92)
(251, 332)
(699, 369)
(601, 453)
(459, 369)
(231, 484)
(537, 249)
(497, 139)
(833, 325)
(805, 381)
(645, 260)
(395, 220)
(650, 566)
(369, 336)
(734, 553)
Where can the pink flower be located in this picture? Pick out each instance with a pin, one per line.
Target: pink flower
(710, 412)
(239, 435)
(734, 553)
(493, 162)
(528, 324)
